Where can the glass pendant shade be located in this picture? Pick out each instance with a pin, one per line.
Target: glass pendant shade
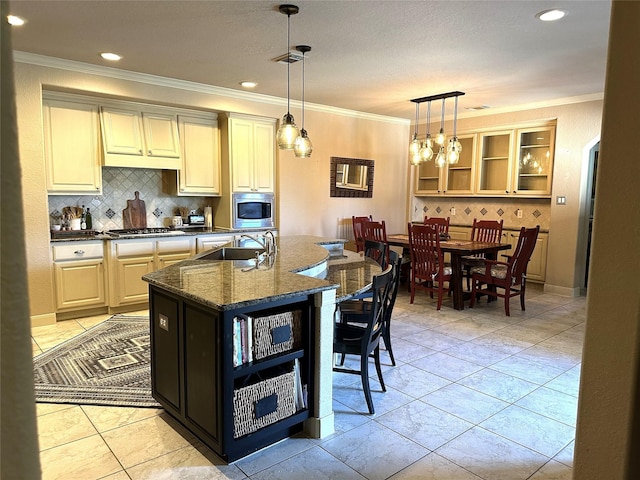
(287, 133)
(303, 146)
(426, 152)
(414, 146)
(441, 137)
(415, 159)
(453, 150)
(441, 158)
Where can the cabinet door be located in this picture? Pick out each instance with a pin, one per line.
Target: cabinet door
(200, 173)
(161, 135)
(72, 147)
(428, 179)
(122, 131)
(130, 288)
(79, 284)
(170, 259)
(460, 176)
(460, 233)
(534, 166)
(242, 154)
(537, 268)
(264, 157)
(494, 162)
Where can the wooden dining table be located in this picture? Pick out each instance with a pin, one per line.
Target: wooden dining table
(457, 249)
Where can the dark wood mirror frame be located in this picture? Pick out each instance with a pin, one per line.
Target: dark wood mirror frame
(336, 191)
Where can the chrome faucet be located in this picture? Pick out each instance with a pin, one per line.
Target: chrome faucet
(268, 243)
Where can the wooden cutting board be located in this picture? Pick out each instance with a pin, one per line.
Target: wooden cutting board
(135, 215)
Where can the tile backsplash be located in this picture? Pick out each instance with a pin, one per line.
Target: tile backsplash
(118, 186)
(534, 211)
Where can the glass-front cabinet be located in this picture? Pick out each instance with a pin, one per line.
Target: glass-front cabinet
(535, 154)
(457, 179)
(516, 162)
(494, 162)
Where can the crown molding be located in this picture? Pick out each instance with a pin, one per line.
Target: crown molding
(156, 80)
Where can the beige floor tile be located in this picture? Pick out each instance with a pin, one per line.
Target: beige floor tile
(121, 475)
(62, 427)
(35, 349)
(47, 408)
(88, 322)
(147, 439)
(87, 458)
(49, 336)
(185, 464)
(108, 418)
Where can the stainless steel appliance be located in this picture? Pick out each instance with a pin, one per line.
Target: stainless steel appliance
(253, 210)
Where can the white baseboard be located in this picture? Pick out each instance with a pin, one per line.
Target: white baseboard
(43, 319)
(562, 291)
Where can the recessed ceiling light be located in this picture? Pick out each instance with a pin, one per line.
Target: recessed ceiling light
(15, 21)
(249, 84)
(551, 15)
(479, 107)
(114, 57)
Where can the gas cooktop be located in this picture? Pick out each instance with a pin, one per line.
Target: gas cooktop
(143, 232)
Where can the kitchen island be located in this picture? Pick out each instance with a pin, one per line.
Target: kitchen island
(197, 310)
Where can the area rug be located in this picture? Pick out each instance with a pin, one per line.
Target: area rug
(108, 364)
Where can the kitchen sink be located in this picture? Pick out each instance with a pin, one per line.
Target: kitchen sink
(233, 253)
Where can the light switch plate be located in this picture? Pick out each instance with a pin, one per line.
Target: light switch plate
(453, 211)
(519, 213)
(561, 200)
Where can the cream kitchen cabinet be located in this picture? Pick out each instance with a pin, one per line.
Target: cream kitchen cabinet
(200, 147)
(130, 259)
(139, 136)
(71, 146)
(537, 268)
(516, 162)
(208, 242)
(457, 179)
(460, 233)
(79, 275)
(251, 153)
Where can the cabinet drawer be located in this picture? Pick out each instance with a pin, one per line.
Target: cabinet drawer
(208, 243)
(135, 248)
(77, 250)
(174, 245)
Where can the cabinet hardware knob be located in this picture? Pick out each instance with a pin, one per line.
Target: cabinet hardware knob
(150, 152)
(140, 151)
(79, 252)
(506, 191)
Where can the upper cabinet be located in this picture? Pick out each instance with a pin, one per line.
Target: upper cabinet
(499, 163)
(456, 179)
(200, 170)
(517, 162)
(139, 136)
(71, 147)
(251, 154)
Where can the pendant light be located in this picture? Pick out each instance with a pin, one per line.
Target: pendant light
(303, 146)
(288, 132)
(449, 153)
(455, 147)
(426, 152)
(414, 146)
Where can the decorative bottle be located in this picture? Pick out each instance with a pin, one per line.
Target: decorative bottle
(88, 220)
(83, 221)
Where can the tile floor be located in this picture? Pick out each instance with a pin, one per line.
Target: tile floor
(474, 395)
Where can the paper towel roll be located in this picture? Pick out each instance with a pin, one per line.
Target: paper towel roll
(208, 217)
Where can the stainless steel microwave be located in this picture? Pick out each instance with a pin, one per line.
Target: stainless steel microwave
(253, 210)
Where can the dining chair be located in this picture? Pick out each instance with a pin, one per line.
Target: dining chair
(428, 270)
(376, 231)
(357, 311)
(510, 276)
(364, 340)
(441, 223)
(356, 222)
(377, 251)
(481, 231)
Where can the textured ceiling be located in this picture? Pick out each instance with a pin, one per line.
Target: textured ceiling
(369, 56)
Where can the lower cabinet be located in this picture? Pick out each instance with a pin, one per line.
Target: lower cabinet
(79, 275)
(537, 268)
(234, 405)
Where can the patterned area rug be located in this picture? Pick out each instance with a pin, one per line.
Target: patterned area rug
(108, 364)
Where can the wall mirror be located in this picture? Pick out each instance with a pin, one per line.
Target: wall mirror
(351, 177)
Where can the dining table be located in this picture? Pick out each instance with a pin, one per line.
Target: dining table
(457, 249)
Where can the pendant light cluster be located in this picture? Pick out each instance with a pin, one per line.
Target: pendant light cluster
(444, 152)
(288, 136)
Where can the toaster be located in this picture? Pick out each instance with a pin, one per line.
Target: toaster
(196, 219)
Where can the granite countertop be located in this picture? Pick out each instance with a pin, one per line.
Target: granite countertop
(187, 233)
(224, 285)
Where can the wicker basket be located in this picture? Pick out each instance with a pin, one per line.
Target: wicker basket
(266, 402)
(276, 333)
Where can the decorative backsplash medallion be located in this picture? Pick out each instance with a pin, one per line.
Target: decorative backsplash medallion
(118, 186)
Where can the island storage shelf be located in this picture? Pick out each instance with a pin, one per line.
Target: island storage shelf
(234, 409)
